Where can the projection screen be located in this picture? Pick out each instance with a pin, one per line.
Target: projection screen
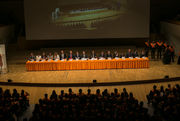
(82, 19)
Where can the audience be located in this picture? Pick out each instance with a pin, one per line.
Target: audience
(99, 106)
(12, 105)
(166, 103)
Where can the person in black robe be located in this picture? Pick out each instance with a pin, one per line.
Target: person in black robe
(153, 50)
(167, 56)
(159, 49)
(147, 47)
(178, 59)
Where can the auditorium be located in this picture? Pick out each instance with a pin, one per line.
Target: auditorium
(89, 60)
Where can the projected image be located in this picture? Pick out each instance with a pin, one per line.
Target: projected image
(87, 14)
(86, 19)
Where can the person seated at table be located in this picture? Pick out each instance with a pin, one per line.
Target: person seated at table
(62, 55)
(108, 55)
(56, 56)
(122, 55)
(32, 57)
(38, 57)
(129, 53)
(77, 56)
(71, 56)
(142, 54)
(135, 54)
(84, 56)
(102, 55)
(43, 56)
(116, 54)
(93, 55)
(50, 56)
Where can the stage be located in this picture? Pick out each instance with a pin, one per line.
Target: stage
(156, 70)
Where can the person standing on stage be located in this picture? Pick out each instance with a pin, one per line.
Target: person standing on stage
(1, 63)
(108, 55)
(153, 50)
(129, 53)
(167, 56)
(93, 55)
(77, 56)
(147, 47)
(171, 48)
(71, 56)
(159, 47)
(165, 45)
(62, 55)
(178, 59)
(32, 57)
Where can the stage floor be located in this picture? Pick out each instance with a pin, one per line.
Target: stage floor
(157, 70)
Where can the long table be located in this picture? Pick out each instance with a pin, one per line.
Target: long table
(88, 64)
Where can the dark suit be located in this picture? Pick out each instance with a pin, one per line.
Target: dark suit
(153, 50)
(167, 57)
(108, 55)
(77, 56)
(102, 56)
(135, 54)
(61, 56)
(129, 54)
(32, 58)
(160, 48)
(93, 55)
(142, 55)
(84, 56)
(71, 56)
(178, 60)
(116, 55)
(44, 57)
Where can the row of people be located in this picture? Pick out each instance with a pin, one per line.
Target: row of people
(159, 46)
(77, 56)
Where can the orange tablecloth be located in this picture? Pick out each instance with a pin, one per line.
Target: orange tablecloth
(88, 64)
